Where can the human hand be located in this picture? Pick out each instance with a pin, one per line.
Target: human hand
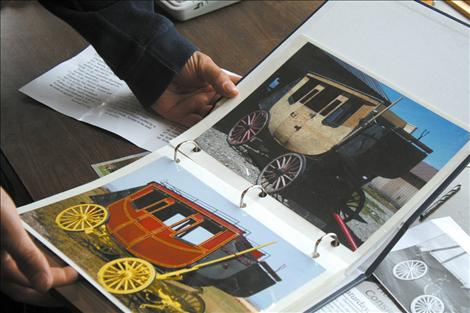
(26, 275)
(193, 91)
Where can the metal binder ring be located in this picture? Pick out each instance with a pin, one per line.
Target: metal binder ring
(262, 194)
(334, 243)
(195, 149)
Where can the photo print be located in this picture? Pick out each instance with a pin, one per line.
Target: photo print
(333, 144)
(160, 240)
(430, 276)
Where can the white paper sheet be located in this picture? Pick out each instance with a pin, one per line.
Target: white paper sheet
(85, 88)
(367, 297)
(430, 264)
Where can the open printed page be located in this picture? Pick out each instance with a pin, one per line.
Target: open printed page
(86, 89)
(429, 269)
(156, 235)
(335, 145)
(367, 297)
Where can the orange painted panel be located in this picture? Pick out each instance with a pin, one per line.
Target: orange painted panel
(151, 223)
(118, 214)
(129, 233)
(160, 253)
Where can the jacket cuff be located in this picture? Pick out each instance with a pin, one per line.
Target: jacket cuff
(163, 58)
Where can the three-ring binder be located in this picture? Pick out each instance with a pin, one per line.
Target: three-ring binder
(262, 194)
(334, 243)
(196, 148)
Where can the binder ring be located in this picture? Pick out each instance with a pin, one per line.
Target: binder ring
(334, 243)
(195, 149)
(262, 194)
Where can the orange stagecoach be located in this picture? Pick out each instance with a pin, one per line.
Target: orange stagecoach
(174, 234)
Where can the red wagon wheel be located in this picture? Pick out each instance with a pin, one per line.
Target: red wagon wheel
(281, 172)
(248, 127)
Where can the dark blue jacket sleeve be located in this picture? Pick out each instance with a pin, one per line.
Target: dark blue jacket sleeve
(142, 47)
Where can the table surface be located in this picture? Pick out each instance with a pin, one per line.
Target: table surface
(50, 152)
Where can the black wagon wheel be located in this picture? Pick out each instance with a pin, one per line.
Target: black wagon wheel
(281, 172)
(170, 298)
(193, 303)
(353, 206)
(248, 127)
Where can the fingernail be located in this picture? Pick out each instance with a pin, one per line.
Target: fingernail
(230, 88)
(41, 282)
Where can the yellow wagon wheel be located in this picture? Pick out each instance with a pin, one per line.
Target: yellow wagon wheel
(126, 275)
(82, 217)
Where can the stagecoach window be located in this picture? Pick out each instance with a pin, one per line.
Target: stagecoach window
(327, 109)
(341, 114)
(175, 219)
(311, 95)
(302, 91)
(196, 235)
(212, 226)
(313, 102)
(148, 199)
(176, 208)
(201, 233)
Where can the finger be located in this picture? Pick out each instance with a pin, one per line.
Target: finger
(215, 98)
(192, 104)
(60, 275)
(11, 273)
(191, 119)
(233, 77)
(205, 110)
(15, 240)
(63, 276)
(28, 295)
(214, 75)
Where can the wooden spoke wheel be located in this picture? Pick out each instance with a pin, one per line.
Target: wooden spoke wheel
(281, 172)
(248, 127)
(172, 298)
(82, 217)
(126, 275)
(192, 303)
(427, 304)
(353, 206)
(410, 270)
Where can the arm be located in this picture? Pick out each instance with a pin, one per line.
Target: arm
(142, 47)
(162, 68)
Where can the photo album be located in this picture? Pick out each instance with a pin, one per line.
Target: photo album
(278, 201)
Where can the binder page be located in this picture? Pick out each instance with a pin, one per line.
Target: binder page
(341, 149)
(158, 230)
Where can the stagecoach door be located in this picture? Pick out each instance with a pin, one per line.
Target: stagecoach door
(184, 220)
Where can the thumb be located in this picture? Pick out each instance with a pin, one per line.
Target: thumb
(16, 241)
(215, 76)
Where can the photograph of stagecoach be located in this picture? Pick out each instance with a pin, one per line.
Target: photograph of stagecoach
(160, 239)
(328, 141)
(317, 133)
(169, 238)
(431, 277)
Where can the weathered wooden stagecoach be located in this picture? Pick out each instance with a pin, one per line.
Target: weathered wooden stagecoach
(319, 141)
(165, 231)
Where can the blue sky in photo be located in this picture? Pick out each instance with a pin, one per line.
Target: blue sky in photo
(444, 137)
(296, 268)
